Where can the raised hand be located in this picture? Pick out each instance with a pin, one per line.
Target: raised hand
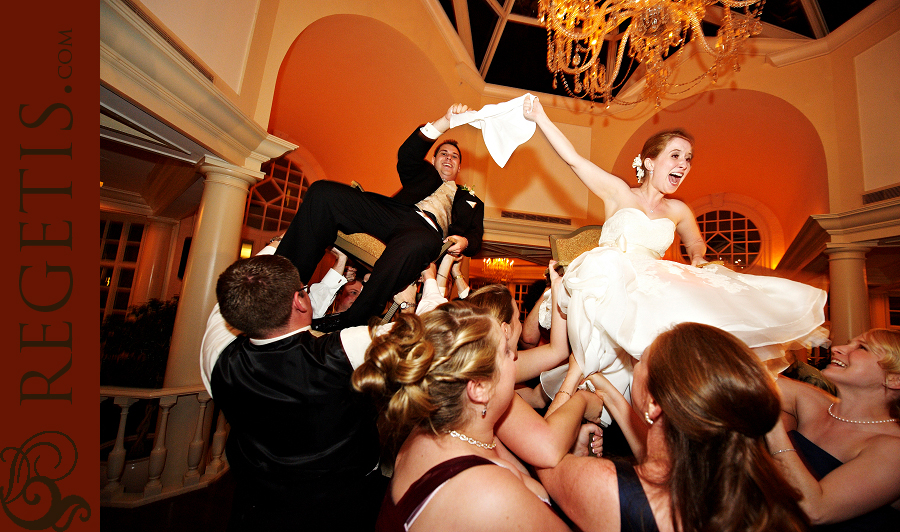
(455, 109)
(532, 108)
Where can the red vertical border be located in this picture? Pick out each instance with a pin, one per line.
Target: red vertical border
(49, 377)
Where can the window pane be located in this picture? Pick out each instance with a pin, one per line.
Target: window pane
(115, 231)
(279, 172)
(110, 250)
(105, 275)
(268, 191)
(135, 232)
(126, 278)
(254, 222)
(121, 301)
(131, 252)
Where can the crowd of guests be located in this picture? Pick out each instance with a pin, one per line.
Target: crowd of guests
(435, 419)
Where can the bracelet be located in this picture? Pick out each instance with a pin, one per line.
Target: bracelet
(783, 451)
(455, 277)
(275, 239)
(565, 392)
(440, 275)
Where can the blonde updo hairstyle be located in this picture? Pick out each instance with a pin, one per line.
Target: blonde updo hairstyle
(418, 372)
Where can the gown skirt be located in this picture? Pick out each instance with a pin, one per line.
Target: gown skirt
(620, 295)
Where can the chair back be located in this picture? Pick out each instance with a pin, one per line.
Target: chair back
(567, 247)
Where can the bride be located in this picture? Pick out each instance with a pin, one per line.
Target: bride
(620, 295)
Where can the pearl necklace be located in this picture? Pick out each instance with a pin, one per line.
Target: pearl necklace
(854, 421)
(473, 441)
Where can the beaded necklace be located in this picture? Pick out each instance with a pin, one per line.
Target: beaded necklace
(473, 441)
(855, 421)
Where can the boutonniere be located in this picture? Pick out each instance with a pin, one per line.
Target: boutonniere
(467, 189)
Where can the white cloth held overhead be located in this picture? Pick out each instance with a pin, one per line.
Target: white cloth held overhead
(503, 126)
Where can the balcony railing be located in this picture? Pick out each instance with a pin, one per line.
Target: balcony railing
(183, 458)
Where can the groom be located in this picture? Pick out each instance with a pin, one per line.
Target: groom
(428, 210)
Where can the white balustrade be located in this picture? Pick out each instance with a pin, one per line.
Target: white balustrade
(195, 470)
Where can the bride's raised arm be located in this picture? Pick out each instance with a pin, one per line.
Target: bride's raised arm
(606, 186)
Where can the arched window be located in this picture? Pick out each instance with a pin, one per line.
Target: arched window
(273, 202)
(730, 236)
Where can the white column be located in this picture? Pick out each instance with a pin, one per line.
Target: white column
(848, 291)
(214, 246)
(150, 277)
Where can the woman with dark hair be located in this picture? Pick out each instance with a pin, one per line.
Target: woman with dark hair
(620, 295)
(843, 453)
(443, 381)
(707, 403)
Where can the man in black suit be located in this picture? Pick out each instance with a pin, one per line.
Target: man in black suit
(428, 210)
(303, 446)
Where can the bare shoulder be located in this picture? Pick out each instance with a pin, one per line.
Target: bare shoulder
(886, 445)
(493, 497)
(679, 210)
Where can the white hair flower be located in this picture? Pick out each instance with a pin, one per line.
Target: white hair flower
(639, 168)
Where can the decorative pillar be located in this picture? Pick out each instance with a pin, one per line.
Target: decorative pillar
(849, 294)
(215, 244)
(150, 277)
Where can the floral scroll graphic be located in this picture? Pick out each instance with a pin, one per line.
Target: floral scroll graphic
(31, 498)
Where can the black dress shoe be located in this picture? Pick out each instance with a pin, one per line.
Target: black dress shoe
(330, 323)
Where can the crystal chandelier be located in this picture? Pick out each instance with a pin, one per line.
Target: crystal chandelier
(650, 30)
(497, 270)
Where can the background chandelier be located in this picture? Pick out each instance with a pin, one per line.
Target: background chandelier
(656, 30)
(497, 270)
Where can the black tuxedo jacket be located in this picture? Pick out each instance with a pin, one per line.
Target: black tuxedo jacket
(297, 425)
(420, 178)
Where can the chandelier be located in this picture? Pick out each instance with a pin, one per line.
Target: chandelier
(497, 270)
(650, 30)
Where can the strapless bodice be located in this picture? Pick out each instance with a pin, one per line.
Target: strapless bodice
(638, 230)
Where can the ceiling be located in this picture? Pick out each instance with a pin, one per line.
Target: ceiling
(149, 167)
(509, 44)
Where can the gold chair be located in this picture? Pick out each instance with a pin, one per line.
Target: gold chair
(364, 248)
(567, 247)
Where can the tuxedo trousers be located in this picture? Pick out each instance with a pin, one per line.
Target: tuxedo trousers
(411, 243)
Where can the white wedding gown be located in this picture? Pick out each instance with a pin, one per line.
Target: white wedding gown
(619, 296)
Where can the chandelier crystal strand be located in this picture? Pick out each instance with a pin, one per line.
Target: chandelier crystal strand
(656, 31)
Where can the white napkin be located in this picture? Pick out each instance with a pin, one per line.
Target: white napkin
(503, 126)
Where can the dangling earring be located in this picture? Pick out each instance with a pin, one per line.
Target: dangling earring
(484, 411)
(647, 417)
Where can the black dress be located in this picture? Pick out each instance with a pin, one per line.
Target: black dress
(819, 462)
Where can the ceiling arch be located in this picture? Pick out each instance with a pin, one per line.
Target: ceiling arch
(350, 90)
(748, 143)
